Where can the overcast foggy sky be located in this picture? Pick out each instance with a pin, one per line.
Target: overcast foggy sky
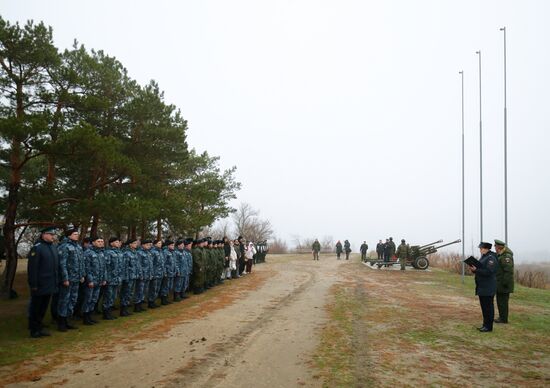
(343, 117)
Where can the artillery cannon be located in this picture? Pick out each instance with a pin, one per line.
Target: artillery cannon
(417, 255)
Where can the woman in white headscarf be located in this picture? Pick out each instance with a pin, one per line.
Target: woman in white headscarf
(249, 256)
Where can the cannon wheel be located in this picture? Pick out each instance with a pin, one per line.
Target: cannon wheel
(421, 263)
(413, 264)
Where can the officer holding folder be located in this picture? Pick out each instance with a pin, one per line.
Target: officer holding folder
(485, 270)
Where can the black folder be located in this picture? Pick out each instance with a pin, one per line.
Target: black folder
(473, 261)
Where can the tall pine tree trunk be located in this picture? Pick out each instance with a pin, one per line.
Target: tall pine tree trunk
(9, 222)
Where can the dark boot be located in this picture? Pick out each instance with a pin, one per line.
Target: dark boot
(152, 305)
(61, 326)
(136, 308)
(177, 297)
(164, 300)
(86, 319)
(107, 315)
(90, 317)
(124, 311)
(69, 326)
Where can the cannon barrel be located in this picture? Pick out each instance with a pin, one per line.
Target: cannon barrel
(451, 243)
(433, 243)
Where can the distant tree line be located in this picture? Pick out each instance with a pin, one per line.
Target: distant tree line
(82, 143)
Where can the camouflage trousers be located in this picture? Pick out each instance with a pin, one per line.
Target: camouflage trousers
(91, 295)
(402, 262)
(126, 292)
(186, 281)
(178, 283)
(139, 293)
(67, 299)
(154, 288)
(167, 285)
(109, 296)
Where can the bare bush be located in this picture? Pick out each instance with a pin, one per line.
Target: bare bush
(278, 246)
(533, 275)
(448, 261)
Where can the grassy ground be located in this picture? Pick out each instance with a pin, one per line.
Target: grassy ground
(389, 328)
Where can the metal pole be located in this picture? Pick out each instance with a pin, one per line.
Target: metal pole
(505, 149)
(463, 247)
(480, 157)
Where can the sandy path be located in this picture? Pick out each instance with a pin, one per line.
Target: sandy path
(264, 340)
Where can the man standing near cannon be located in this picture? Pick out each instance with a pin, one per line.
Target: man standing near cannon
(380, 250)
(364, 248)
(315, 248)
(402, 253)
(505, 279)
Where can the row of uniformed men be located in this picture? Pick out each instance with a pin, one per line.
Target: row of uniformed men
(138, 272)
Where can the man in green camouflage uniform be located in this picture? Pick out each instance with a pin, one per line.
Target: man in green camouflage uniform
(315, 248)
(402, 253)
(505, 279)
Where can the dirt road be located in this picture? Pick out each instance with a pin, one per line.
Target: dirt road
(265, 339)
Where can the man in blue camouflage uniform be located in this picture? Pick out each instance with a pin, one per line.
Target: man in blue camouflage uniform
(180, 271)
(145, 261)
(95, 278)
(157, 273)
(71, 273)
(169, 271)
(132, 273)
(188, 261)
(113, 261)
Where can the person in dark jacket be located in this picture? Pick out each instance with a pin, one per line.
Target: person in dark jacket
(42, 272)
(339, 249)
(486, 284)
(380, 250)
(364, 248)
(505, 279)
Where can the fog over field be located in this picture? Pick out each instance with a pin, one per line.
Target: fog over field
(344, 118)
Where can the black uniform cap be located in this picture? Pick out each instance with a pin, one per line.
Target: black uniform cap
(70, 231)
(113, 239)
(131, 240)
(146, 241)
(485, 245)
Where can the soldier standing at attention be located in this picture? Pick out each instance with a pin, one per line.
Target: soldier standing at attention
(188, 259)
(146, 264)
(403, 253)
(315, 248)
(169, 272)
(364, 248)
(505, 279)
(71, 273)
(347, 248)
(380, 250)
(157, 274)
(180, 270)
(392, 247)
(339, 249)
(130, 271)
(196, 281)
(113, 260)
(95, 278)
(42, 273)
(147, 269)
(486, 284)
